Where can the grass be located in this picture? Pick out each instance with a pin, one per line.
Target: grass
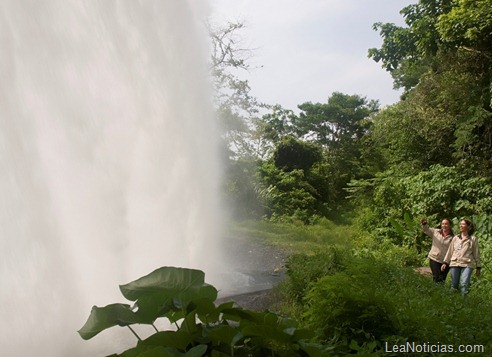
(298, 238)
(341, 281)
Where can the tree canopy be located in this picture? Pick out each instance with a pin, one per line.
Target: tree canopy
(312, 160)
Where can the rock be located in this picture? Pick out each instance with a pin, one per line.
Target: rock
(424, 271)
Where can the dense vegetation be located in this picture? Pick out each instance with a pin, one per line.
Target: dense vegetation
(342, 184)
(202, 328)
(344, 294)
(346, 155)
(359, 294)
(374, 171)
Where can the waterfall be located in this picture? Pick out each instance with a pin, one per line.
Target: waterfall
(108, 159)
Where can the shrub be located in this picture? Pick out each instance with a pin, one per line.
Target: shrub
(304, 270)
(345, 304)
(371, 301)
(438, 192)
(203, 329)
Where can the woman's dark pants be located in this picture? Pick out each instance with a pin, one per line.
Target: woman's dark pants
(437, 275)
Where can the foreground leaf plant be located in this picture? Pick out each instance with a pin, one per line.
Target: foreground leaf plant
(203, 328)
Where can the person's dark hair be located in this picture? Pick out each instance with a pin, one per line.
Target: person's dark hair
(449, 221)
(469, 223)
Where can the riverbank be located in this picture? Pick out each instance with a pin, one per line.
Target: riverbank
(255, 268)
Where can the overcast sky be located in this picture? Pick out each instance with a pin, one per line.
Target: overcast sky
(311, 48)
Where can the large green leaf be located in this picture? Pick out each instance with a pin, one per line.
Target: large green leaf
(157, 352)
(108, 316)
(185, 284)
(190, 324)
(397, 226)
(269, 326)
(167, 289)
(153, 306)
(206, 311)
(238, 314)
(407, 217)
(149, 351)
(179, 340)
(196, 351)
(223, 334)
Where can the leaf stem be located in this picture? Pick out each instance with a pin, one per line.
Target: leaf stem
(133, 331)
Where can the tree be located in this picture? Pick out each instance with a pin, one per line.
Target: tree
(443, 60)
(342, 119)
(236, 111)
(407, 52)
(292, 154)
(468, 25)
(319, 152)
(272, 127)
(340, 127)
(235, 106)
(295, 181)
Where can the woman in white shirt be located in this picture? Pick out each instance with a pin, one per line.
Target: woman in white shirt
(462, 256)
(441, 238)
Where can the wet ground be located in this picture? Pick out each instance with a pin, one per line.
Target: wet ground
(254, 269)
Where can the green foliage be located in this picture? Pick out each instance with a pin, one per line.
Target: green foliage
(303, 270)
(398, 305)
(340, 127)
(438, 192)
(469, 23)
(296, 236)
(410, 141)
(292, 193)
(359, 306)
(447, 191)
(162, 293)
(336, 123)
(291, 154)
(409, 232)
(443, 60)
(242, 192)
(102, 318)
(342, 305)
(474, 141)
(319, 152)
(406, 52)
(274, 126)
(483, 230)
(203, 329)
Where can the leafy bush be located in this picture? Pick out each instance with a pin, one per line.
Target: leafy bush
(203, 329)
(483, 230)
(288, 194)
(304, 270)
(439, 192)
(341, 307)
(295, 182)
(386, 250)
(372, 301)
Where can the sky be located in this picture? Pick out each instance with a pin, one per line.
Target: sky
(306, 50)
